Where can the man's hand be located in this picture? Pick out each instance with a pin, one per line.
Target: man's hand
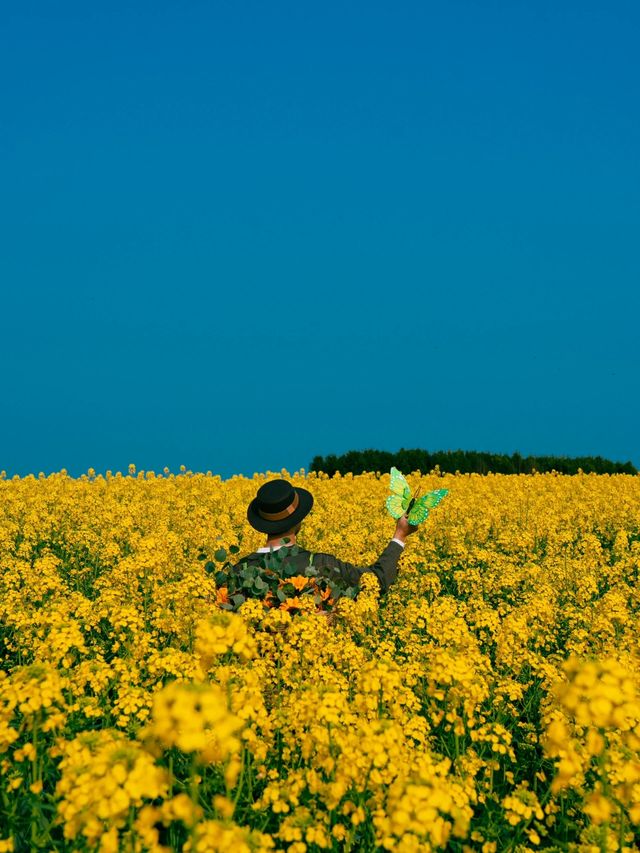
(404, 529)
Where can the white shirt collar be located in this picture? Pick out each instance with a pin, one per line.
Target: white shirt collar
(271, 548)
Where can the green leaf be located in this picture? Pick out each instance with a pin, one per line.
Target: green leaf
(220, 555)
(234, 549)
(280, 595)
(238, 599)
(202, 556)
(221, 577)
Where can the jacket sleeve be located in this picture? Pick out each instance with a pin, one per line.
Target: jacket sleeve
(385, 568)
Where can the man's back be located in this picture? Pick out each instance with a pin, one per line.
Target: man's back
(385, 568)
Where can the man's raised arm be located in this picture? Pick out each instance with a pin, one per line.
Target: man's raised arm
(386, 566)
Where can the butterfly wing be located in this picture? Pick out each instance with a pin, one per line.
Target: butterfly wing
(398, 484)
(398, 500)
(433, 498)
(420, 509)
(395, 506)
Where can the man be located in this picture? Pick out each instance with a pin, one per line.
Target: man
(278, 510)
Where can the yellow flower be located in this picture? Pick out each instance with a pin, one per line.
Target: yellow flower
(597, 807)
(223, 806)
(103, 774)
(195, 718)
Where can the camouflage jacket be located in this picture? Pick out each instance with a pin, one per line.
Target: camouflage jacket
(385, 567)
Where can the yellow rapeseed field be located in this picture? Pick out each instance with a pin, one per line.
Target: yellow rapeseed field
(489, 702)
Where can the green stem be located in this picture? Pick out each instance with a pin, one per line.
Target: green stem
(240, 780)
(34, 775)
(195, 797)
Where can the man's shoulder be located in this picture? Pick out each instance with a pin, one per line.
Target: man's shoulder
(321, 558)
(258, 556)
(248, 558)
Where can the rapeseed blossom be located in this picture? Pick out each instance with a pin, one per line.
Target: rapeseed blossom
(195, 718)
(103, 776)
(489, 701)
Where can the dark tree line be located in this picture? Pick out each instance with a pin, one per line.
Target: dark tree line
(464, 461)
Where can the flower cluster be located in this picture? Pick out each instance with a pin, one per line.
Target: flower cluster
(221, 634)
(195, 718)
(602, 694)
(103, 776)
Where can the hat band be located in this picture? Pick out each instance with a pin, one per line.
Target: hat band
(277, 516)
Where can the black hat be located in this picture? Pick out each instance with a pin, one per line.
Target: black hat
(278, 507)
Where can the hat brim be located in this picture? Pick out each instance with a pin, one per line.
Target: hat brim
(305, 502)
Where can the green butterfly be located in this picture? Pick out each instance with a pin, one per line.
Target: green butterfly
(402, 502)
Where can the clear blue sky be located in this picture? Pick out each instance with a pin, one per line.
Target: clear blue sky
(235, 235)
